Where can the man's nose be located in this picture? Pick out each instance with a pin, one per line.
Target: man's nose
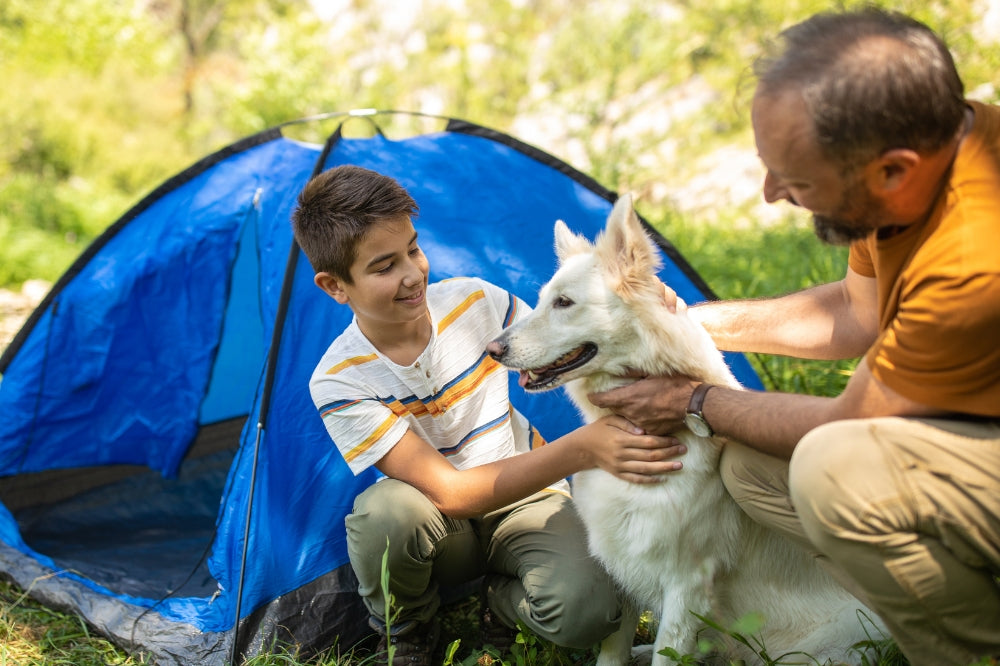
(775, 190)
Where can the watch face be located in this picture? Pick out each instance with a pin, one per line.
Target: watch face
(697, 425)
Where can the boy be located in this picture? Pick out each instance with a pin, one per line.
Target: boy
(469, 490)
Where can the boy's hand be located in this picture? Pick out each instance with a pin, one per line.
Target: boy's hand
(620, 448)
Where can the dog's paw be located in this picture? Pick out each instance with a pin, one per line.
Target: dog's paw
(642, 655)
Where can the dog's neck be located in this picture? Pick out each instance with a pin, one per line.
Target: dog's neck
(578, 390)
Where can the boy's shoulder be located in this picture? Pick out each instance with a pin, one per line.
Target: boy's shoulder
(351, 347)
(464, 285)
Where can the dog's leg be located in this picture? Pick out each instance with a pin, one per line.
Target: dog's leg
(616, 649)
(678, 625)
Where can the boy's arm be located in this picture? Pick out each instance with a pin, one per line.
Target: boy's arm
(611, 443)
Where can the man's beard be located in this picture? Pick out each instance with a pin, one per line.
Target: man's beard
(858, 214)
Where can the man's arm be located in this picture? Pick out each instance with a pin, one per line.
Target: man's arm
(830, 321)
(610, 443)
(775, 422)
(768, 421)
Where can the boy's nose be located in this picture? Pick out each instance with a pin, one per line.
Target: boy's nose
(414, 274)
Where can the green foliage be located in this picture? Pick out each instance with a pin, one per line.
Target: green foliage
(878, 650)
(33, 635)
(103, 100)
(747, 259)
(391, 611)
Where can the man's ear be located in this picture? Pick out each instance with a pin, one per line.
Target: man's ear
(332, 286)
(891, 170)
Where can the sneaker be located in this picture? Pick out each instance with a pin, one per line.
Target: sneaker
(414, 643)
(494, 632)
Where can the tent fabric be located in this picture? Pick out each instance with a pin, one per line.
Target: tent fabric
(142, 485)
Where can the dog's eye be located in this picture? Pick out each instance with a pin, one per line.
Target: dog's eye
(561, 302)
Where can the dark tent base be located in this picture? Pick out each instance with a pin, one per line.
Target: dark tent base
(132, 531)
(136, 533)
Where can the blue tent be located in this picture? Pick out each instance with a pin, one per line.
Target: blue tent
(162, 469)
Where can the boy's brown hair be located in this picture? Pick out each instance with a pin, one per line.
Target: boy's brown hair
(337, 208)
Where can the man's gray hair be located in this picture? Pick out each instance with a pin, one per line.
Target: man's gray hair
(872, 80)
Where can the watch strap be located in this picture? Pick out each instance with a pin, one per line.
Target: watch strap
(698, 399)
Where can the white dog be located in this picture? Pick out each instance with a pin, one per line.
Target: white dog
(682, 546)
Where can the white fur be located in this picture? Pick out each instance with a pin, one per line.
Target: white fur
(682, 546)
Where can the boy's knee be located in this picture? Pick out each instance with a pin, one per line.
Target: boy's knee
(386, 508)
(581, 616)
(588, 627)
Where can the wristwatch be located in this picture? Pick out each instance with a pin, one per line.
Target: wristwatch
(695, 419)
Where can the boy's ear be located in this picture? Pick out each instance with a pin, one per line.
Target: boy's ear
(332, 286)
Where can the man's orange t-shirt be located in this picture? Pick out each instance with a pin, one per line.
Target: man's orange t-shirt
(939, 287)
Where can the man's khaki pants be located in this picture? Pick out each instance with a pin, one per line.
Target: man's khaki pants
(904, 512)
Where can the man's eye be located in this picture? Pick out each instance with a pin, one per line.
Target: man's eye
(561, 302)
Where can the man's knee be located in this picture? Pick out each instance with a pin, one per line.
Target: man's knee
(833, 474)
(757, 482)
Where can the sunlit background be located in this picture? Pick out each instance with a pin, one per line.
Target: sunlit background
(104, 99)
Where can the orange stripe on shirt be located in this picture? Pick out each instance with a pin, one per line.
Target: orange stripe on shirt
(468, 385)
(371, 439)
(450, 318)
(348, 362)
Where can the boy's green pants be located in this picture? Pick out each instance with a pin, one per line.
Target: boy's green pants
(533, 555)
(904, 512)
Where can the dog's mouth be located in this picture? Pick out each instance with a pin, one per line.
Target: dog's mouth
(540, 379)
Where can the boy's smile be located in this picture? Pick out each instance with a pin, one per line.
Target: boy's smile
(389, 290)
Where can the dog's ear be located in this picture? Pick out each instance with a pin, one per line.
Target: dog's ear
(626, 252)
(568, 243)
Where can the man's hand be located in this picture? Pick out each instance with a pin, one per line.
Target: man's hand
(624, 450)
(655, 404)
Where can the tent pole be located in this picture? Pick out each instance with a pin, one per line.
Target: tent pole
(265, 399)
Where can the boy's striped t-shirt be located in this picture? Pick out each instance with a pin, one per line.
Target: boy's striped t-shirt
(454, 396)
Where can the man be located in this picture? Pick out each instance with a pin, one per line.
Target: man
(861, 120)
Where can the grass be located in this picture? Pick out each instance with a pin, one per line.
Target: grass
(737, 261)
(31, 634)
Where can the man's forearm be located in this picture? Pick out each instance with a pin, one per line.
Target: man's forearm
(769, 422)
(816, 323)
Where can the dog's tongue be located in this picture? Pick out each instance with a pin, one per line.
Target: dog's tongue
(522, 378)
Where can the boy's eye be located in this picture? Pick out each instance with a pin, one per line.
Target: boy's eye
(384, 269)
(414, 251)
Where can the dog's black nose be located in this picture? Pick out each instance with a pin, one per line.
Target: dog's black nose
(496, 350)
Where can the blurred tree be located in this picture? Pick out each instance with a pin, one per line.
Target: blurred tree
(103, 99)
